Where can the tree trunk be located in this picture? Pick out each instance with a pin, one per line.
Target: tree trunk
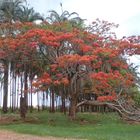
(72, 109)
(5, 89)
(52, 107)
(38, 106)
(43, 101)
(18, 86)
(26, 88)
(63, 106)
(23, 100)
(31, 108)
(23, 108)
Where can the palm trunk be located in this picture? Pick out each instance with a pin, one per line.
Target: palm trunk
(5, 89)
(31, 109)
(53, 96)
(43, 101)
(38, 107)
(23, 107)
(26, 88)
(18, 91)
(63, 107)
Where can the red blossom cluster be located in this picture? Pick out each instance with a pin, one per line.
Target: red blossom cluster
(106, 98)
(69, 54)
(70, 60)
(108, 83)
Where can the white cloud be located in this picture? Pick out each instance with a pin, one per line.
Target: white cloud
(118, 11)
(43, 6)
(114, 10)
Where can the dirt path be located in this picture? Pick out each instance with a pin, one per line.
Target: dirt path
(8, 135)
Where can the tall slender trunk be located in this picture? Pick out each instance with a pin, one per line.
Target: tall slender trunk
(50, 101)
(1, 95)
(15, 89)
(18, 87)
(23, 107)
(26, 88)
(52, 96)
(63, 107)
(31, 109)
(13, 93)
(53, 102)
(5, 88)
(43, 101)
(47, 97)
(10, 96)
(38, 107)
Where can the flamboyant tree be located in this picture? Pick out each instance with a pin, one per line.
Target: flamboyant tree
(63, 59)
(73, 56)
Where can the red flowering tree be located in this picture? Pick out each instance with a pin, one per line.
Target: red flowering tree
(70, 56)
(73, 55)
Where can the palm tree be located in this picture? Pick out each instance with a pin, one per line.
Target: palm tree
(73, 17)
(9, 10)
(28, 14)
(13, 10)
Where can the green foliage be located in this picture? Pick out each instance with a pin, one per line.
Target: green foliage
(87, 126)
(136, 95)
(123, 72)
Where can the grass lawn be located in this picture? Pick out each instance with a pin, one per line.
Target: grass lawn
(87, 126)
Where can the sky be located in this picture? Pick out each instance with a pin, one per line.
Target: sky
(126, 13)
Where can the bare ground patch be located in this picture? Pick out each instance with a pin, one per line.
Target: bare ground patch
(8, 135)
